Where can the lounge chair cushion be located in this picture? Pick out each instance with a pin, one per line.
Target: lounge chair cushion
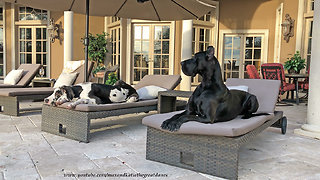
(235, 127)
(113, 106)
(266, 91)
(65, 79)
(29, 72)
(241, 88)
(164, 81)
(13, 77)
(26, 91)
(71, 66)
(149, 92)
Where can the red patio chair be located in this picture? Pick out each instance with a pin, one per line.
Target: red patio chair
(275, 71)
(252, 72)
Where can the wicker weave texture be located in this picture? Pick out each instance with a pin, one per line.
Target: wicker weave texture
(76, 124)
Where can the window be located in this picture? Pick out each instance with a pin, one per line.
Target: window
(202, 37)
(308, 18)
(241, 49)
(115, 46)
(33, 46)
(32, 41)
(151, 50)
(2, 67)
(28, 13)
(115, 19)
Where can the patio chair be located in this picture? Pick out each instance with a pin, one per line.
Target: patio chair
(252, 72)
(75, 123)
(10, 98)
(211, 148)
(29, 72)
(275, 71)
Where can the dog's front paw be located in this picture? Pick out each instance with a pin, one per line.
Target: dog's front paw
(71, 106)
(171, 125)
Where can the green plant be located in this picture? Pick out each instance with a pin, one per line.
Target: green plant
(97, 50)
(295, 63)
(112, 78)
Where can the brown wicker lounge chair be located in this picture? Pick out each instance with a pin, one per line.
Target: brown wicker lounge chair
(11, 97)
(29, 72)
(75, 124)
(211, 148)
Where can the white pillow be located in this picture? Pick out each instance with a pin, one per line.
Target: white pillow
(65, 79)
(149, 92)
(13, 77)
(241, 88)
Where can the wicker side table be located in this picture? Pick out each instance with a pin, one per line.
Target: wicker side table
(42, 82)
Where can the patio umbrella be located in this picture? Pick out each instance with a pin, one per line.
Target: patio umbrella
(158, 10)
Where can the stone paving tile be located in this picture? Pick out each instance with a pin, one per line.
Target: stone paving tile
(284, 167)
(1, 176)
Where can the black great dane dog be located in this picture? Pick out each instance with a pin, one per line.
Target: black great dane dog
(211, 101)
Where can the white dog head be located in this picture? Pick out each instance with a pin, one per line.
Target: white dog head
(118, 95)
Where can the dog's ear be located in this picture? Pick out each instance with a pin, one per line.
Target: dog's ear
(68, 90)
(210, 52)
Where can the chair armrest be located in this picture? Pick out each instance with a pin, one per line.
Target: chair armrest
(167, 100)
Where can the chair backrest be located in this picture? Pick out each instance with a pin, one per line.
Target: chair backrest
(29, 72)
(80, 70)
(165, 81)
(252, 72)
(266, 91)
(274, 71)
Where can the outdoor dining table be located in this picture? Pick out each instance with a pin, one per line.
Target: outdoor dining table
(295, 78)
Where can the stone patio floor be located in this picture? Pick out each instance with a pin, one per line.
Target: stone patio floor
(118, 145)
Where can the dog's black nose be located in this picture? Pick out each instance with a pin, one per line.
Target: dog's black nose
(46, 100)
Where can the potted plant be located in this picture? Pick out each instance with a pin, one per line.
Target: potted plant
(97, 50)
(295, 63)
(112, 78)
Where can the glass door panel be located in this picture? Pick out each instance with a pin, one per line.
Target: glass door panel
(231, 59)
(151, 52)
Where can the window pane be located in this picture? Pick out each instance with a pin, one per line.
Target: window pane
(228, 41)
(227, 54)
(44, 56)
(236, 54)
(38, 46)
(137, 46)
(145, 46)
(38, 33)
(29, 46)
(38, 59)
(44, 33)
(22, 33)
(157, 47)
(157, 60)
(137, 60)
(166, 32)
(157, 32)
(22, 59)
(165, 61)
(165, 71)
(29, 58)
(28, 33)
(22, 46)
(249, 41)
(207, 35)
(257, 41)
(137, 32)
(201, 38)
(257, 54)
(145, 60)
(145, 34)
(165, 47)
(248, 54)
(136, 75)
(236, 42)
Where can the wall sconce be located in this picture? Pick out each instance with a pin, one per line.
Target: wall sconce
(53, 30)
(288, 28)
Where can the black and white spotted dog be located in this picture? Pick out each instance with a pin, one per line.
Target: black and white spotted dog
(92, 93)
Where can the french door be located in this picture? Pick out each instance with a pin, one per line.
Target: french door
(33, 46)
(151, 51)
(239, 50)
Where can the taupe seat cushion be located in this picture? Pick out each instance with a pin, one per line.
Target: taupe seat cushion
(266, 91)
(165, 81)
(26, 91)
(113, 106)
(29, 72)
(235, 127)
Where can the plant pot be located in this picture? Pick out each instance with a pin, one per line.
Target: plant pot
(292, 71)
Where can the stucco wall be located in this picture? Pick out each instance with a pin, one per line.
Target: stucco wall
(96, 25)
(258, 14)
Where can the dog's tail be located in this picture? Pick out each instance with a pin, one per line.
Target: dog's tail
(249, 115)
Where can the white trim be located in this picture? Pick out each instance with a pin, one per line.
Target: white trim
(171, 50)
(128, 56)
(278, 34)
(13, 38)
(300, 26)
(48, 49)
(216, 28)
(121, 50)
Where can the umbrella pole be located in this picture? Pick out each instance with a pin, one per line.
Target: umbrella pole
(86, 43)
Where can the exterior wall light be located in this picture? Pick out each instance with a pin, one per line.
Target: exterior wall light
(288, 28)
(53, 30)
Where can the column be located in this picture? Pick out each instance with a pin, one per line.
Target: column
(68, 36)
(186, 52)
(312, 127)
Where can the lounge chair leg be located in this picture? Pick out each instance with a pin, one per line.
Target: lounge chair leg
(283, 123)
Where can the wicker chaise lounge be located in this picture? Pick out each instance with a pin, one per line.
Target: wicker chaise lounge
(75, 124)
(10, 98)
(211, 148)
(29, 72)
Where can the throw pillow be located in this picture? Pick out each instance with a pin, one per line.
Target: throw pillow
(13, 77)
(65, 79)
(241, 88)
(149, 92)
